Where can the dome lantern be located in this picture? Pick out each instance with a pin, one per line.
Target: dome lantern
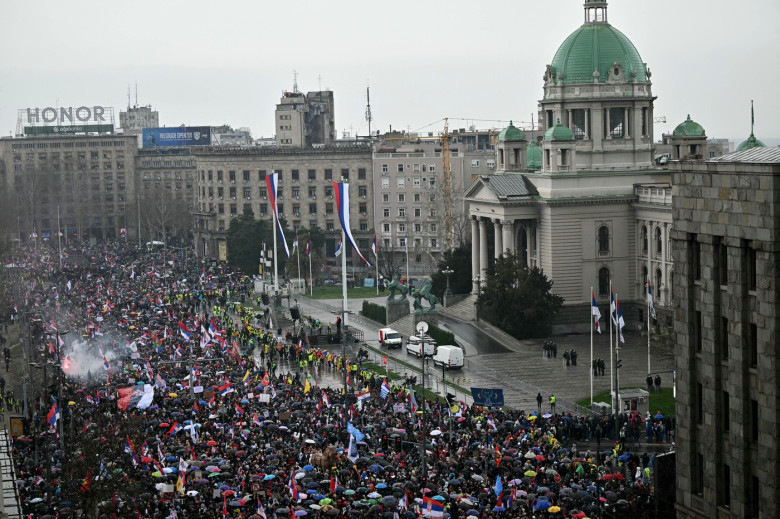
(595, 11)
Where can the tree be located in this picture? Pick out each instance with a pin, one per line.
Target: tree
(317, 237)
(518, 299)
(459, 261)
(164, 217)
(245, 241)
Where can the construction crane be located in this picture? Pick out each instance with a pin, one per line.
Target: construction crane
(660, 119)
(444, 140)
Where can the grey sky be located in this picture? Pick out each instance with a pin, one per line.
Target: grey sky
(207, 63)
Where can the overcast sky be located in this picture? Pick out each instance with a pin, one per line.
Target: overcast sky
(208, 63)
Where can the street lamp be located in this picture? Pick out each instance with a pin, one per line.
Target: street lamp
(478, 281)
(447, 293)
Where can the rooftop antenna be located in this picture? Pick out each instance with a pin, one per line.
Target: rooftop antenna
(752, 117)
(319, 79)
(295, 81)
(136, 93)
(128, 97)
(368, 108)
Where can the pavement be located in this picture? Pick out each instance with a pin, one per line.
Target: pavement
(518, 367)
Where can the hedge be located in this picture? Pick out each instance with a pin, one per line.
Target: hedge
(374, 312)
(441, 336)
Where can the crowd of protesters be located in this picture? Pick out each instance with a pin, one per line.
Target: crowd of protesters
(175, 399)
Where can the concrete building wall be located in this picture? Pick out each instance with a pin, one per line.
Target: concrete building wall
(726, 257)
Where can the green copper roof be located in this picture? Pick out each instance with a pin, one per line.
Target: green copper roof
(511, 134)
(533, 157)
(596, 46)
(689, 128)
(750, 142)
(559, 133)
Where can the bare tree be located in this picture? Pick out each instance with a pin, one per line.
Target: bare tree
(163, 216)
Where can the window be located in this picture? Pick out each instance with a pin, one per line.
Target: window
(386, 227)
(329, 226)
(312, 192)
(417, 197)
(577, 123)
(362, 191)
(418, 227)
(754, 420)
(263, 209)
(434, 243)
(401, 198)
(726, 417)
(328, 174)
(416, 167)
(658, 242)
(603, 240)
(402, 242)
(432, 227)
(724, 339)
(400, 168)
(696, 259)
(725, 493)
(644, 239)
(699, 403)
(296, 192)
(295, 175)
(433, 182)
(723, 261)
(263, 193)
(697, 330)
(417, 212)
(432, 168)
(361, 173)
(385, 198)
(219, 176)
(345, 173)
(603, 281)
(753, 344)
(474, 163)
(260, 175)
(752, 268)
(386, 242)
(385, 182)
(384, 168)
(279, 175)
(279, 193)
(221, 208)
(329, 208)
(401, 182)
(312, 174)
(402, 212)
(386, 213)
(233, 209)
(220, 192)
(247, 208)
(416, 181)
(232, 176)
(296, 209)
(233, 192)
(312, 208)
(363, 225)
(363, 209)
(246, 175)
(247, 192)
(616, 115)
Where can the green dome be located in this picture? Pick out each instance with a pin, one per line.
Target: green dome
(511, 134)
(559, 133)
(689, 128)
(596, 47)
(750, 142)
(533, 157)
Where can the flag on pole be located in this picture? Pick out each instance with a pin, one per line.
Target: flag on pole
(384, 390)
(185, 332)
(612, 305)
(412, 402)
(325, 399)
(406, 242)
(373, 246)
(341, 190)
(271, 182)
(432, 508)
(54, 415)
(594, 311)
(338, 248)
(295, 241)
(621, 323)
(308, 247)
(650, 299)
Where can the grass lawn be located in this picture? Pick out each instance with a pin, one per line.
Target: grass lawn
(663, 401)
(337, 293)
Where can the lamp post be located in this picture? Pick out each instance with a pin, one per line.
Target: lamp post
(447, 293)
(478, 281)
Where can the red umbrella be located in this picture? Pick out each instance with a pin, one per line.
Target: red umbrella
(146, 459)
(211, 443)
(228, 493)
(539, 457)
(164, 424)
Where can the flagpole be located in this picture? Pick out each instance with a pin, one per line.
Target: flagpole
(647, 281)
(611, 354)
(311, 279)
(591, 347)
(298, 249)
(344, 271)
(376, 262)
(276, 271)
(59, 237)
(406, 242)
(617, 373)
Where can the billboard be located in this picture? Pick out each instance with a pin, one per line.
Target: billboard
(60, 130)
(487, 397)
(177, 136)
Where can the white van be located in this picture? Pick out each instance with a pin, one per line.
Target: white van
(417, 345)
(451, 357)
(389, 338)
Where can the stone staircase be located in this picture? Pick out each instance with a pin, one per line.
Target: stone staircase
(404, 325)
(462, 310)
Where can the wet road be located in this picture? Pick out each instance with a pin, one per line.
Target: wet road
(484, 344)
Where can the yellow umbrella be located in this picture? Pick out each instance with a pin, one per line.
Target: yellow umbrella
(530, 473)
(172, 395)
(532, 417)
(554, 509)
(71, 403)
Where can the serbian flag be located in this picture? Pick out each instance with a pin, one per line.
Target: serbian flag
(621, 322)
(338, 248)
(271, 182)
(174, 429)
(54, 415)
(239, 410)
(325, 399)
(594, 311)
(227, 388)
(612, 305)
(256, 419)
(261, 510)
(650, 299)
(432, 508)
(373, 246)
(185, 332)
(213, 331)
(307, 251)
(266, 379)
(291, 485)
(106, 365)
(295, 242)
(341, 190)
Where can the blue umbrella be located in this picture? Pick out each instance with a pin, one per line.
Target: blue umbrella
(381, 486)
(542, 505)
(624, 457)
(471, 511)
(439, 498)
(319, 497)
(307, 468)
(499, 509)
(311, 492)
(376, 468)
(268, 477)
(170, 458)
(659, 416)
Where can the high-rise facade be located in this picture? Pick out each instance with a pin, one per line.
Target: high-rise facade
(726, 250)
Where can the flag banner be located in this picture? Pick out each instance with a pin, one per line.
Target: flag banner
(352, 452)
(373, 246)
(612, 306)
(351, 429)
(650, 299)
(621, 322)
(487, 397)
(341, 190)
(595, 312)
(271, 182)
(338, 248)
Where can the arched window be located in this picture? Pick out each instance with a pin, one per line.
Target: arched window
(658, 241)
(603, 281)
(644, 239)
(658, 280)
(643, 280)
(603, 239)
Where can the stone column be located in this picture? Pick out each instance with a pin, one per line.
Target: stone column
(508, 236)
(474, 252)
(483, 249)
(626, 133)
(587, 124)
(498, 247)
(664, 269)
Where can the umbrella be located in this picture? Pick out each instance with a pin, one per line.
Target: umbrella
(659, 416)
(499, 509)
(477, 477)
(349, 492)
(530, 473)
(439, 498)
(388, 501)
(381, 486)
(546, 415)
(325, 501)
(192, 493)
(268, 477)
(554, 509)
(529, 455)
(542, 505)
(307, 468)
(374, 495)
(300, 513)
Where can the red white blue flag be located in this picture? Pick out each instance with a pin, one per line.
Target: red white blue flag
(595, 312)
(271, 183)
(341, 190)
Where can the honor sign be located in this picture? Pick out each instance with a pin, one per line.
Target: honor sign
(65, 120)
(68, 115)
